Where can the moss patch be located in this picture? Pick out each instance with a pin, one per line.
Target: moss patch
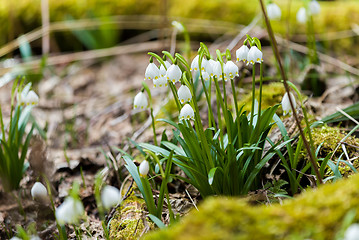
(316, 214)
(129, 220)
(271, 95)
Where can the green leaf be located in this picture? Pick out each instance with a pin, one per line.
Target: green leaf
(157, 221)
(211, 176)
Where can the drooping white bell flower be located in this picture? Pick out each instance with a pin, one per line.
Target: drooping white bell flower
(152, 72)
(144, 168)
(206, 76)
(302, 15)
(194, 64)
(242, 53)
(273, 11)
(174, 73)
(254, 55)
(286, 104)
(31, 98)
(217, 69)
(163, 69)
(230, 70)
(186, 113)
(110, 196)
(161, 82)
(39, 191)
(69, 211)
(184, 94)
(314, 7)
(203, 64)
(352, 233)
(210, 67)
(140, 101)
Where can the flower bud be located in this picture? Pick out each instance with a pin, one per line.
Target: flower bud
(144, 168)
(314, 7)
(39, 191)
(110, 196)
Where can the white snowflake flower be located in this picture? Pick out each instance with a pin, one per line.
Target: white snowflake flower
(314, 7)
(286, 104)
(230, 70)
(273, 11)
(194, 64)
(140, 101)
(254, 55)
(217, 69)
(186, 113)
(32, 98)
(161, 82)
(174, 73)
(242, 53)
(110, 196)
(206, 76)
(184, 94)
(302, 15)
(163, 69)
(152, 72)
(69, 211)
(210, 67)
(352, 233)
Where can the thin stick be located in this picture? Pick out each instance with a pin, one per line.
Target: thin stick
(45, 18)
(191, 200)
(284, 77)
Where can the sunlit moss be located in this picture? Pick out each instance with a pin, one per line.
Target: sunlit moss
(128, 221)
(316, 214)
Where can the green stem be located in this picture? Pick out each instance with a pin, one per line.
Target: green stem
(153, 127)
(219, 104)
(260, 94)
(253, 94)
(237, 113)
(210, 113)
(174, 92)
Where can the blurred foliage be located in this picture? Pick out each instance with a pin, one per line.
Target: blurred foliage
(19, 17)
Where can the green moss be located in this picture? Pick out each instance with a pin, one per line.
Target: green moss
(128, 221)
(271, 95)
(316, 214)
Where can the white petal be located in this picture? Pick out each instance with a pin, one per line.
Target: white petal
(254, 55)
(152, 72)
(286, 104)
(352, 233)
(194, 64)
(69, 211)
(32, 98)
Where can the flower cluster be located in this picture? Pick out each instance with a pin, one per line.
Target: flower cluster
(252, 55)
